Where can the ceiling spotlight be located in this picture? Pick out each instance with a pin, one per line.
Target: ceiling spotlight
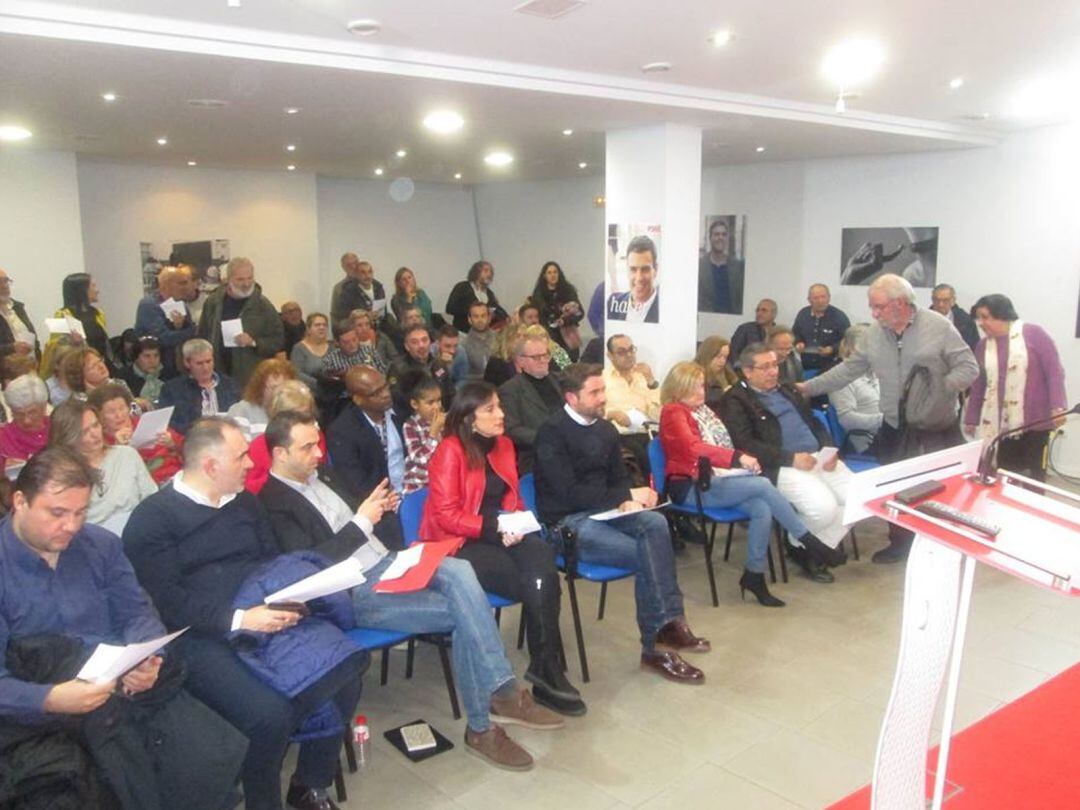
(498, 159)
(444, 122)
(583, 165)
(568, 132)
(162, 141)
(721, 37)
(853, 62)
(14, 133)
(364, 28)
(108, 97)
(656, 67)
(957, 83)
(457, 175)
(760, 149)
(379, 172)
(290, 168)
(192, 163)
(292, 110)
(291, 147)
(401, 153)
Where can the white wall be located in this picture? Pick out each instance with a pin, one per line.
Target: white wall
(270, 217)
(433, 233)
(40, 235)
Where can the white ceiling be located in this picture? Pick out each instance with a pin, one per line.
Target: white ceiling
(518, 79)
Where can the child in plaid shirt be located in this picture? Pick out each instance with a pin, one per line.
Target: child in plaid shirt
(422, 431)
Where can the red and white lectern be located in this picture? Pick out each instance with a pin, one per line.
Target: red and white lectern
(1039, 542)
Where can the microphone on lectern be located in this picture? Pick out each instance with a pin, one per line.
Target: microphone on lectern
(987, 468)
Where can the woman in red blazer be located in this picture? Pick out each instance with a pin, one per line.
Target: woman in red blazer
(472, 477)
(689, 430)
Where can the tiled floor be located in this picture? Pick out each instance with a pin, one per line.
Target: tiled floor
(788, 716)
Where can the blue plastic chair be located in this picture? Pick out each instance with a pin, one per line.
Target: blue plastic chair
(856, 462)
(705, 515)
(573, 569)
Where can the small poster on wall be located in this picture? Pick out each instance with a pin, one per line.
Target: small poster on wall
(633, 273)
(722, 266)
(866, 253)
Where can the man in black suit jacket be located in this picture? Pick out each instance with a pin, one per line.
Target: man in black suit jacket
(358, 290)
(943, 302)
(366, 445)
(14, 313)
(529, 397)
(309, 512)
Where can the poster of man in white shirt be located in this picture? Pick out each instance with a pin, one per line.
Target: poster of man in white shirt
(633, 274)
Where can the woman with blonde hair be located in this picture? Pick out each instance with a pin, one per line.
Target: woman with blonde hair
(291, 395)
(712, 356)
(500, 365)
(689, 432)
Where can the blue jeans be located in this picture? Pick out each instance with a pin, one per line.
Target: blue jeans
(762, 502)
(641, 541)
(454, 603)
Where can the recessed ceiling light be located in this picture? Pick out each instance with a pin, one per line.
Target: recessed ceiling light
(290, 168)
(379, 172)
(192, 163)
(760, 149)
(444, 122)
(292, 110)
(498, 159)
(11, 132)
(290, 147)
(108, 96)
(957, 83)
(401, 153)
(162, 141)
(568, 132)
(721, 37)
(853, 62)
(364, 28)
(583, 165)
(457, 175)
(656, 67)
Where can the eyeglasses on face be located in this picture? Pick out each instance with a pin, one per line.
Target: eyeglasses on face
(620, 352)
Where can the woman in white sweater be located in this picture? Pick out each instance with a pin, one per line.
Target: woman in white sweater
(857, 404)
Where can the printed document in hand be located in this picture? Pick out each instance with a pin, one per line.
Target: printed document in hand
(229, 330)
(110, 661)
(824, 456)
(637, 419)
(65, 326)
(151, 425)
(378, 307)
(346, 574)
(413, 568)
(171, 305)
(612, 514)
(518, 522)
(730, 472)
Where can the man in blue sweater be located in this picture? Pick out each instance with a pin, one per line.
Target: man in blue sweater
(193, 544)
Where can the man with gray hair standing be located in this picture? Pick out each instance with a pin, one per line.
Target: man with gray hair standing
(923, 365)
(261, 334)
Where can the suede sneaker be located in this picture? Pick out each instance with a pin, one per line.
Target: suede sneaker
(521, 710)
(498, 749)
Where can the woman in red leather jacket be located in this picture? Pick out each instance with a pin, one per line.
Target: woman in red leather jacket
(471, 479)
(689, 430)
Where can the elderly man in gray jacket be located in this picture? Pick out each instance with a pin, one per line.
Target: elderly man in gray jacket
(913, 351)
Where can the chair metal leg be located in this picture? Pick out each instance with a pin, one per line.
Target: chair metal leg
(603, 601)
(350, 752)
(521, 629)
(727, 545)
(498, 616)
(339, 784)
(576, 613)
(854, 545)
(384, 666)
(782, 551)
(772, 567)
(448, 676)
(710, 540)
(410, 657)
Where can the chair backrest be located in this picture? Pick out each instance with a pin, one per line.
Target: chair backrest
(823, 420)
(839, 435)
(657, 464)
(527, 485)
(411, 512)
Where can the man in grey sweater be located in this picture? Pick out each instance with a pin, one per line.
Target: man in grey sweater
(907, 344)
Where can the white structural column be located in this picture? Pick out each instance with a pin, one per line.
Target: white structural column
(653, 177)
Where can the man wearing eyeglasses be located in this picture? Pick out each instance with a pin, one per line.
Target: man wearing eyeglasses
(17, 334)
(633, 392)
(529, 397)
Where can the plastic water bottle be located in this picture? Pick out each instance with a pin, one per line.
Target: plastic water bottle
(361, 736)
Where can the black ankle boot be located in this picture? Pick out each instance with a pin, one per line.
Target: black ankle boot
(755, 583)
(813, 568)
(831, 557)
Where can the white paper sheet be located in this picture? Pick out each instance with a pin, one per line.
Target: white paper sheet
(403, 562)
(110, 661)
(13, 468)
(346, 574)
(378, 307)
(637, 419)
(229, 330)
(824, 456)
(518, 522)
(171, 305)
(730, 472)
(65, 326)
(151, 425)
(613, 514)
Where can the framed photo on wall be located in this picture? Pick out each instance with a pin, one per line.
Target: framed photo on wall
(721, 264)
(866, 253)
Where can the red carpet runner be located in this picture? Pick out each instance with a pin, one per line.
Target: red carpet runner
(1022, 756)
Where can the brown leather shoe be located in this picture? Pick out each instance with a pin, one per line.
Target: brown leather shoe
(671, 666)
(498, 749)
(677, 636)
(521, 710)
